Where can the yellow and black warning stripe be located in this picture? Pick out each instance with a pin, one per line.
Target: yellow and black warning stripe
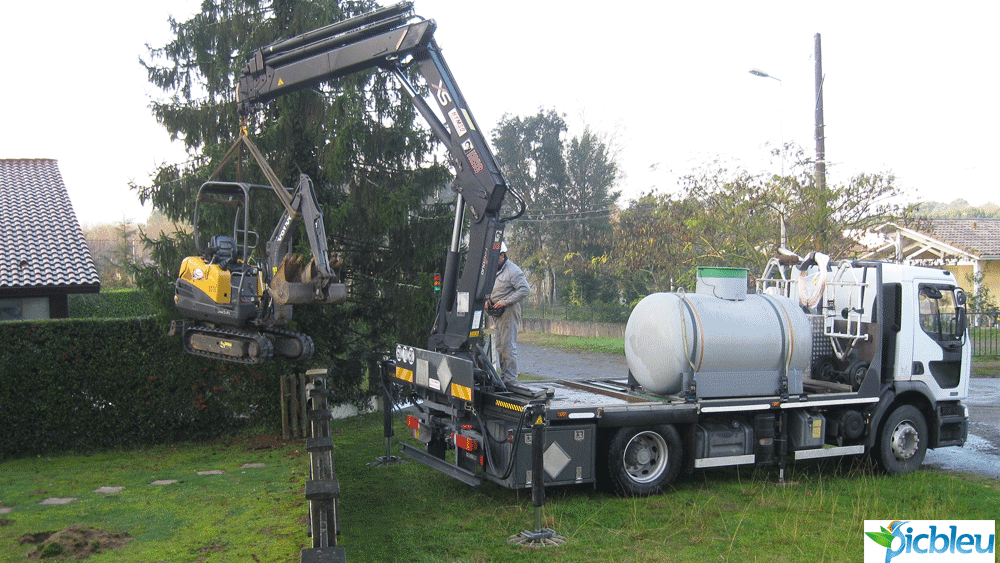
(511, 406)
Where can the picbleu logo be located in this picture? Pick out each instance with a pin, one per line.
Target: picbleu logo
(925, 541)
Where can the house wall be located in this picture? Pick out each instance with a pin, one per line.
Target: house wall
(961, 273)
(991, 278)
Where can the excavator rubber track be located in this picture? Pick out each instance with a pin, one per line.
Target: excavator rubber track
(293, 346)
(228, 344)
(247, 347)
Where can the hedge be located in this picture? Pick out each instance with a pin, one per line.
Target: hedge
(80, 385)
(111, 304)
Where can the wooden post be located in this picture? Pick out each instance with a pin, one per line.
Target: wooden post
(283, 397)
(303, 412)
(294, 407)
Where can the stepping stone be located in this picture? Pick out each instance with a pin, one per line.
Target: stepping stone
(5, 510)
(164, 482)
(58, 500)
(109, 490)
(253, 465)
(212, 472)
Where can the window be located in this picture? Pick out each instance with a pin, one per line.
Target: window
(938, 312)
(27, 309)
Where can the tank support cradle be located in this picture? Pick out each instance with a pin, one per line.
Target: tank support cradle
(322, 488)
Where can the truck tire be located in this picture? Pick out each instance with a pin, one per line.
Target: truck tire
(643, 460)
(903, 441)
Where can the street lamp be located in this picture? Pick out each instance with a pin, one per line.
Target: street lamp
(762, 74)
(781, 126)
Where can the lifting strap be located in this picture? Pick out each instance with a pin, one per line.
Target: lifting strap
(244, 141)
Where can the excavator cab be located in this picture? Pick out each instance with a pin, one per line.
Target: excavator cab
(221, 284)
(232, 305)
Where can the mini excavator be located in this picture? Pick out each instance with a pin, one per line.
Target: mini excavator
(234, 306)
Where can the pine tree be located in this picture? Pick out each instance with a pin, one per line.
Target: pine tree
(358, 140)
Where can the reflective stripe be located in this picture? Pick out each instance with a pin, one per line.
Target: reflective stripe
(461, 392)
(404, 374)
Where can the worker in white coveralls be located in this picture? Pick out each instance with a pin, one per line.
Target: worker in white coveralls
(504, 305)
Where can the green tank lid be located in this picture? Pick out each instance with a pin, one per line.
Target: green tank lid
(721, 272)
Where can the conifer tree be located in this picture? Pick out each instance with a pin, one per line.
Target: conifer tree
(356, 137)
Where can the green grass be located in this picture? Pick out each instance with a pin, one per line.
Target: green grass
(413, 513)
(581, 343)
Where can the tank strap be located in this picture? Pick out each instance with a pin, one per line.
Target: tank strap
(787, 342)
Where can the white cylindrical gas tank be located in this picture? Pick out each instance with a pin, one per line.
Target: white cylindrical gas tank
(669, 335)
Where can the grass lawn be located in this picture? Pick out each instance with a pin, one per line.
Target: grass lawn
(582, 343)
(412, 513)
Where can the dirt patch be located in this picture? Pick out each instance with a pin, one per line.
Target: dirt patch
(76, 542)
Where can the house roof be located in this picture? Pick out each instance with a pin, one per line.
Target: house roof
(980, 237)
(41, 244)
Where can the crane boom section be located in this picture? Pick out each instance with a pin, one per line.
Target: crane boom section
(384, 39)
(396, 41)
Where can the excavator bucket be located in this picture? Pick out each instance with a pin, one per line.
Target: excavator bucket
(295, 283)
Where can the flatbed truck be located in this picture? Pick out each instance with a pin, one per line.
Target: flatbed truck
(721, 378)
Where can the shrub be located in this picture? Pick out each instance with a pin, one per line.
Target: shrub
(110, 304)
(72, 385)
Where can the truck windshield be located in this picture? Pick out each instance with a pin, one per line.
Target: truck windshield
(938, 313)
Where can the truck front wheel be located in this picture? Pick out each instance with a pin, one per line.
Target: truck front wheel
(642, 461)
(903, 441)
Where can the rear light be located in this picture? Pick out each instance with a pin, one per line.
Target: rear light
(467, 444)
(413, 422)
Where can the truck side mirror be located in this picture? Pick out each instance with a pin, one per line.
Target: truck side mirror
(961, 322)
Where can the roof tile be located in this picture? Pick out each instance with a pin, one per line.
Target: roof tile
(41, 243)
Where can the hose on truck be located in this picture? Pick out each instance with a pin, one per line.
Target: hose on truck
(489, 437)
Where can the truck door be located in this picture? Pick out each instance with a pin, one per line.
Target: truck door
(941, 350)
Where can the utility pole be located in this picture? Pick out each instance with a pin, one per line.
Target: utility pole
(820, 136)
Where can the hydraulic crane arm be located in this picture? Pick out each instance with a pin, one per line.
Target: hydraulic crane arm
(382, 39)
(394, 40)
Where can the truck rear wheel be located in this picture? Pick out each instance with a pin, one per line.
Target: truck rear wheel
(642, 461)
(903, 441)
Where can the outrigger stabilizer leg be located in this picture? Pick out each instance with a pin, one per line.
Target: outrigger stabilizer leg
(387, 431)
(540, 537)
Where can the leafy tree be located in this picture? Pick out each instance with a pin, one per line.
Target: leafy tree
(982, 299)
(568, 185)
(115, 248)
(530, 153)
(650, 250)
(355, 137)
(725, 215)
(957, 209)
